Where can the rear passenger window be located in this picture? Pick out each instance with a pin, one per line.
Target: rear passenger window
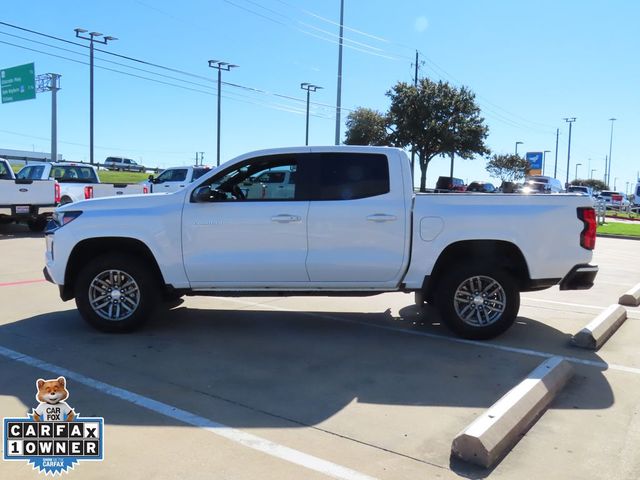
(349, 176)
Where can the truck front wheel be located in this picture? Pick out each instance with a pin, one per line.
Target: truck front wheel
(116, 293)
(478, 302)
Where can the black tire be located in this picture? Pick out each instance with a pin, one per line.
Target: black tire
(471, 315)
(136, 302)
(65, 200)
(37, 225)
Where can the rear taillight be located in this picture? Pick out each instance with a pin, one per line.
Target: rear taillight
(145, 190)
(588, 234)
(56, 193)
(88, 192)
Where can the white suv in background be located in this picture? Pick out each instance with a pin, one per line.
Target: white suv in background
(119, 163)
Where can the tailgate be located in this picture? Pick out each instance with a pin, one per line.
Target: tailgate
(27, 192)
(101, 190)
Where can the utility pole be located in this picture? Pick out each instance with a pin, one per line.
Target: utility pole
(220, 66)
(610, 146)
(544, 159)
(309, 88)
(413, 149)
(92, 38)
(518, 143)
(50, 82)
(555, 168)
(339, 97)
(570, 122)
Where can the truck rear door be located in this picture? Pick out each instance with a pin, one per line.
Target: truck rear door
(358, 223)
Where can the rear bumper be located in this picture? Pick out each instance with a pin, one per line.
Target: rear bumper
(580, 277)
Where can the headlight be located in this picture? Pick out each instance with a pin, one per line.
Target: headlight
(62, 218)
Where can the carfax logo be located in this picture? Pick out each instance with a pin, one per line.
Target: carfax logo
(53, 438)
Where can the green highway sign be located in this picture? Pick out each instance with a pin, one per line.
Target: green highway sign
(18, 83)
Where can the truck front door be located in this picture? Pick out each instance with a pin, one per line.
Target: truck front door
(234, 236)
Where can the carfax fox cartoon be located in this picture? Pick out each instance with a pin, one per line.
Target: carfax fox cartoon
(52, 407)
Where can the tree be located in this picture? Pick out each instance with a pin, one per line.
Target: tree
(508, 168)
(436, 119)
(366, 127)
(594, 183)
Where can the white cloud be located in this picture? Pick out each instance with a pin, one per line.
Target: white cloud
(421, 24)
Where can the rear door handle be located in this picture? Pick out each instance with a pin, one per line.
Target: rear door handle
(381, 217)
(284, 218)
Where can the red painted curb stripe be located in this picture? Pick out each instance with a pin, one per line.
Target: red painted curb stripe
(22, 282)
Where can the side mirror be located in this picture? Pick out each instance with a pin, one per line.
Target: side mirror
(151, 178)
(201, 194)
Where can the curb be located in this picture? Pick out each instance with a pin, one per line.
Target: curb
(601, 328)
(624, 237)
(490, 437)
(632, 297)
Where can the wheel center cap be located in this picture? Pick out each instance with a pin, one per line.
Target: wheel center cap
(478, 300)
(116, 294)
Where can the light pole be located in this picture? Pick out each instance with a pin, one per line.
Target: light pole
(615, 181)
(570, 122)
(608, 171)
(544, 159)
(339, 94)
(220, 66)
(518, 143)
(309, 88)
(577, 165)
(592, 170)
(92, 38)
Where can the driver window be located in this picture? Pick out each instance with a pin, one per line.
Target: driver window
(267, 179)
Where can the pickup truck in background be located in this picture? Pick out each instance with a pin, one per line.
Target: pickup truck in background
(78, 181)
(174, 178)
(350, 224)
(27, 201)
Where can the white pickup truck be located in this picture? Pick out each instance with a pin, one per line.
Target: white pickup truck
(351, 225)
(174, 178)
(78, 181)
(26, 200)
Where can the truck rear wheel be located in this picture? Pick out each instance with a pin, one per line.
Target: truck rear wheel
(37, 224)
(478, 301)
(116, 293)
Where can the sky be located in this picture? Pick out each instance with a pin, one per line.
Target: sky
(530, 64)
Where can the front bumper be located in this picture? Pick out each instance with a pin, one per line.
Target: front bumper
(580, 277)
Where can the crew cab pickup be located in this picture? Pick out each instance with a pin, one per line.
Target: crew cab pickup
(78, 181)
(350, 225)
(26, 200)
(174, 178)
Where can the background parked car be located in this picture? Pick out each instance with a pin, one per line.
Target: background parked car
(580, 189)
(553, 185)
(451, 184)
(483, 187)
(125, 164)
(613, 199)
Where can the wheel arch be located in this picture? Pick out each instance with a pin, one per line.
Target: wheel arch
(90, 248)
(499, 252)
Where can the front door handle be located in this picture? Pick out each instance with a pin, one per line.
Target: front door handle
(381, 217)
(285, 218)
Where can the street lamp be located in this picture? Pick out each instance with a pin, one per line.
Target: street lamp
(544, 159)
(570, 121)
(608, 171)
(94, 37)
(577, 165)
(518, 143)
(593, 170)
(220, 66)
(309, 88)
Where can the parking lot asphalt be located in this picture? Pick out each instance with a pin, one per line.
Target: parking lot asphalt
(314, 387)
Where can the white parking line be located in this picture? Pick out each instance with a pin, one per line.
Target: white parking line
(495, 346)
(245, 439)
